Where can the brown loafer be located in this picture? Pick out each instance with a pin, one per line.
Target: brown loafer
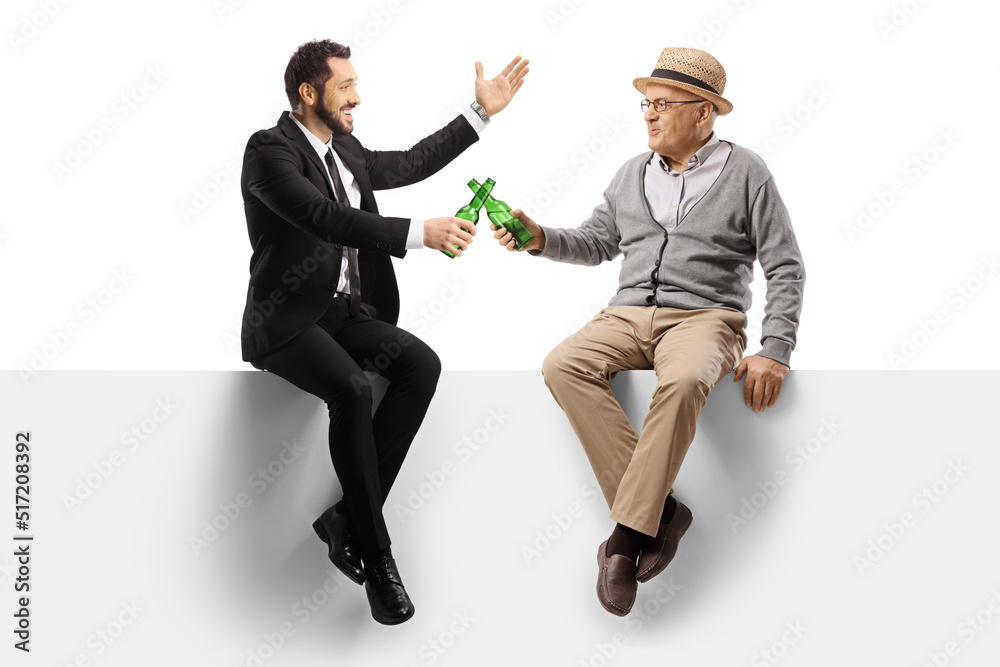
(616, 583)
(657, 552)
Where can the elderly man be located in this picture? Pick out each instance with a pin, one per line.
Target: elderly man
(689, 216)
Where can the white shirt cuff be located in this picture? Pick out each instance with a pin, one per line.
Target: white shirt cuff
(415, 237)
(474, 120)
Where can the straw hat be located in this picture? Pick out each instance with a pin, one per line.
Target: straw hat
(692, 70)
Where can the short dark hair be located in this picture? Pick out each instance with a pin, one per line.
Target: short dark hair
(308, 65)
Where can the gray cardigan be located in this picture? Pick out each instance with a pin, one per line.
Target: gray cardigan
(707, 260)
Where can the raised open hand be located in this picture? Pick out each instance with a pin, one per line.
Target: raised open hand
(495, 94)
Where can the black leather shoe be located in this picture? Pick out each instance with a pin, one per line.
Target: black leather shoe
(388, 599)
(335, 530)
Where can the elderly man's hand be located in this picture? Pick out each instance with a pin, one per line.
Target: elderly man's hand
(507, 239)
(763, 384)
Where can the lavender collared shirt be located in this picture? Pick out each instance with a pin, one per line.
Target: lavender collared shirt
(671, 194)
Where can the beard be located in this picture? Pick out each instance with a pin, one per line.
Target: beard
(336, 125)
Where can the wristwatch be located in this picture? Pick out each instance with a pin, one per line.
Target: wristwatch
(481, 112)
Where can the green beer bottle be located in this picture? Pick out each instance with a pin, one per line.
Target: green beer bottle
(470, 212)
(499, 214)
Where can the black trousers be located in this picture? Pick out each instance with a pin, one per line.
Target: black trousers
(328, 360)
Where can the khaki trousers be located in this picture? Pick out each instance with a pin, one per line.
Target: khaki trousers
(690, 350)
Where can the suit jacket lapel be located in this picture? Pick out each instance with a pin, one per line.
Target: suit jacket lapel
(357, 167)
(292, 131)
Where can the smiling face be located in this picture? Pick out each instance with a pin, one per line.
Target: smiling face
(682, 129)
(335, 103)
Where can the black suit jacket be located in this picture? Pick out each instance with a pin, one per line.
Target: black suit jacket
(297, 227)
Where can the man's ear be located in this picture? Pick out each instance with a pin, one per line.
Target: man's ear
(307, 95)
(705, 113)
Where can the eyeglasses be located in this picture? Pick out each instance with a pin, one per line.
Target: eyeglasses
(662, 105)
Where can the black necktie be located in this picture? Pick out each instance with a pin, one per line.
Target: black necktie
(353, 274)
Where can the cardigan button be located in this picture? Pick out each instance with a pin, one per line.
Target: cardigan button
(650, 298)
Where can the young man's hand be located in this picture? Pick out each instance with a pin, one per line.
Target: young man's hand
(445, 233)
(495, 94)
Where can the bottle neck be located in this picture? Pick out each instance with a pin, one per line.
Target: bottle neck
(482, 195)
(488, 200)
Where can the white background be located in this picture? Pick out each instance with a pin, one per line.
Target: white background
(886, 94)
(885, 98)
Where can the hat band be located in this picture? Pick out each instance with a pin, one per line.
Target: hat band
(682, 78)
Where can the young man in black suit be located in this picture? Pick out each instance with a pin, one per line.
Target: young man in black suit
(323, 302)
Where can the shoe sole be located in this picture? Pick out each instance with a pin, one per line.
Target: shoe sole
(646, 575)
(322, 535)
